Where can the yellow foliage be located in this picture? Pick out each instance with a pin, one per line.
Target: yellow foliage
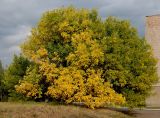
(28, 89)
(49, 70)
(63, 25)
(73, 86)
(29, 86)
(72, 83)
(88, 51)
(42, 52)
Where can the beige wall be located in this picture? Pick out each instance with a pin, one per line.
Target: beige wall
(152, 35)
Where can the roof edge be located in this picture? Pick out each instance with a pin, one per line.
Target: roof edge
(153, 15)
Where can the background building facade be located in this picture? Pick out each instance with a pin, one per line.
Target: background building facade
(152, 35)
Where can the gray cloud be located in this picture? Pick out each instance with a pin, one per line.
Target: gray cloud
(17, 17)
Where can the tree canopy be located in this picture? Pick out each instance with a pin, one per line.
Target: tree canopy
(81, 58)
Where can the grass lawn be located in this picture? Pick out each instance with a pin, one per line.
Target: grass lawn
(44, 110)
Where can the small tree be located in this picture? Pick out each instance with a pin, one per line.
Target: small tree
(1, 81)
(14, 73)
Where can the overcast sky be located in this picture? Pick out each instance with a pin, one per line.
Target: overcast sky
(17, 17)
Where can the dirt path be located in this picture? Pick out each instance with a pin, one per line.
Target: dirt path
(140, 113)
(147, 113)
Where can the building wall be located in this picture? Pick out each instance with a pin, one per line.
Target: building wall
(152, 35)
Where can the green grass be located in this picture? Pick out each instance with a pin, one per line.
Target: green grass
(44, 110)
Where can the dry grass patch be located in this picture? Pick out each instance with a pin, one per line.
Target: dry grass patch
(34, 110)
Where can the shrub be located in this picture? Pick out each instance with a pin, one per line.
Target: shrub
(13, 74)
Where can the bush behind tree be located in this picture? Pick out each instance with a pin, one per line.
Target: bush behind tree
(13, 74)
(2, 97)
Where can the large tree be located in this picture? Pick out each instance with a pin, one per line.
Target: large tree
(84, 59)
